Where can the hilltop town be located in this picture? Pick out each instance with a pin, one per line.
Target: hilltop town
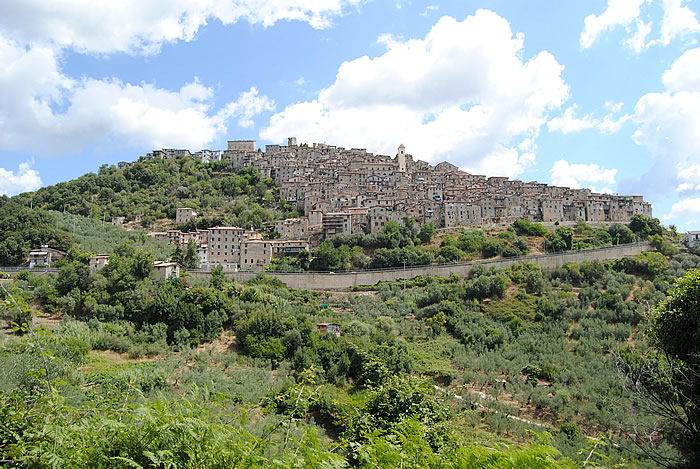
(348, 191)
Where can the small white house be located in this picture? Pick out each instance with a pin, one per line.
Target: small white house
(693, 239)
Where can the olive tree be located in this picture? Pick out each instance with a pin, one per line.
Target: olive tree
(664, 383)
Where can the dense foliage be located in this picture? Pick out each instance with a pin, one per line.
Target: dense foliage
(151, 190)
(273, 390)
(518, 367)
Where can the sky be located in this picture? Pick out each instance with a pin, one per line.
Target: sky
(603, 94)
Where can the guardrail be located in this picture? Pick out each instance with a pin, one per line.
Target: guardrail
(33, 269)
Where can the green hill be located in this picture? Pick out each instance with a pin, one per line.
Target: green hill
(152, 190)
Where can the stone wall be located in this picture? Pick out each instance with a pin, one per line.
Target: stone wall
(346, 280)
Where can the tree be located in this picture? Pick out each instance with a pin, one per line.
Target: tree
(553, 242)
(427, 231)
(567, 235)
(639, 225)
(217, 277)
(620, 234)
(451, 253)
(178, 256)
(665, 383)
(491, 248)
(191, 259)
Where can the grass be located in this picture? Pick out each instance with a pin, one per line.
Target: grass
(506, 310)
(92, 236)
(98, 361)
(432, 357)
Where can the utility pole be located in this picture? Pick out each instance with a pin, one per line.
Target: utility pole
(404, 274)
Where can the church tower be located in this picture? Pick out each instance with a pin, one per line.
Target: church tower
(401, 158)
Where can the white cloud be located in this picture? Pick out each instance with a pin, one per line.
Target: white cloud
(45, 111)
(638, 41)
(678, 21)
(688, 177)
(618, 13)
(668, 125)
(669, 122)
(462, 93)
(503, 162)
(248, 105)
(610, 125)
(24, 180)
(575, 175)
(430, 9)
(684, 74)
(137, 26)
(686, 210)
(568, 122)
(613, 106)
(603, 190)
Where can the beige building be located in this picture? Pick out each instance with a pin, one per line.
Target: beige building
(225, 245)
(289, 247)
(256, 254)
(552, 210)
(184, 214)
(167, 270)
(45, 256)
(337, 223)
(292, 227)
(161, 235)
(203, 253)
(241, 145)
(99, 261)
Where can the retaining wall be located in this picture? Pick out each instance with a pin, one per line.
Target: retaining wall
(346, 280)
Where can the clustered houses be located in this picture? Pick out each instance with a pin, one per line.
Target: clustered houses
(233, 247)
(352, 190)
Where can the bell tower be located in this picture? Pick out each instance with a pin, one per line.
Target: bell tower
(401, 158)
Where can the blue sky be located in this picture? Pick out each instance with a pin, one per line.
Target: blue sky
(602, 94)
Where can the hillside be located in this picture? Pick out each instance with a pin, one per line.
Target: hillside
(147, 194)
(152, 190)
(245, 365)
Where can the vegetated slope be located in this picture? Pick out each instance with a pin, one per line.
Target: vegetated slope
(528, 342)
(152, 190)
